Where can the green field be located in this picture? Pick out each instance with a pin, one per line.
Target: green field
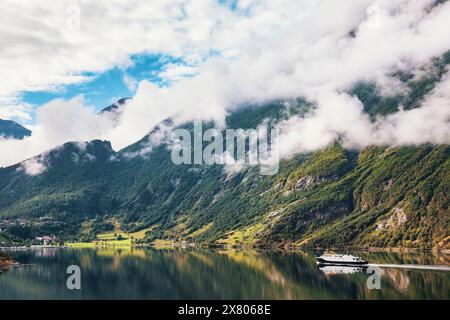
(115, 238)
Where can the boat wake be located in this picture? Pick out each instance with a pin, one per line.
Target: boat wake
(332, 263)
(412, 266)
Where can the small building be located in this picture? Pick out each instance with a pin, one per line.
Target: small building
(46, 240)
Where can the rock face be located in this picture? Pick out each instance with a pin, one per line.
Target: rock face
(374, 197)
(397, 219)
(307, 182)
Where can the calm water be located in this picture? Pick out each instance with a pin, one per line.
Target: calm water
(212, 274)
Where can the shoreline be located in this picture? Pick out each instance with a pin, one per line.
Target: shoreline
(443, 257)
(174, 245)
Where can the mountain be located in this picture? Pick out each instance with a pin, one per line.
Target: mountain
(11, 129)
(117, 106)
(374, 197)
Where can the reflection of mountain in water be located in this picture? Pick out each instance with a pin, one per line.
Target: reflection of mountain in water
(400, 280)
(207, 274)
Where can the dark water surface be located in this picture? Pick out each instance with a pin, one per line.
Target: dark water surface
(213, 274)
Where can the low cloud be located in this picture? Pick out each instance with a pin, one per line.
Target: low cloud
(341, 117)
(58, 122)
(175, 72)
(264, 51)
(34, 166)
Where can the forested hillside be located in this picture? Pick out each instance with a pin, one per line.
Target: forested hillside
(379, 196)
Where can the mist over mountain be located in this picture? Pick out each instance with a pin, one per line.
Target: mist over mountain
(374, 196)
(254, 53)
(359, 92)
(117, 106)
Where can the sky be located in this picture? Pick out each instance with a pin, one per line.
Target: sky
(63, 61)
(101, 89)
(98, 49)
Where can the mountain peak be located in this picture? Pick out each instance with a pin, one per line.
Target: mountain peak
(10, 129)
(115, 107)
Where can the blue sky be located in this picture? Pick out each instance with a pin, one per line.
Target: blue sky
(164, 42)
(106, 87)
(262, 51)
(109, 86)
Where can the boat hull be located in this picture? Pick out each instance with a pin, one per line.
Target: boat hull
(341, 263)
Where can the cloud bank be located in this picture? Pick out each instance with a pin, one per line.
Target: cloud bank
(340, 116)
(257, 52)
(58, 122)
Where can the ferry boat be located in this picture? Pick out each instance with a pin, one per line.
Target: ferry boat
(340, 259)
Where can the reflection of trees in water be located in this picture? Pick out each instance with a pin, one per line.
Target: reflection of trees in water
(399, 279)
(406, 257)
(208, 274)
(302, 272)
(5, 262)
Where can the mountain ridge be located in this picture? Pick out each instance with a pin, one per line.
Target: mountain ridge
(182, 200)
(379, 196)
(12, 130)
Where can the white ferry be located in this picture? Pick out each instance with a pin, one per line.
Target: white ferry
(340, 259)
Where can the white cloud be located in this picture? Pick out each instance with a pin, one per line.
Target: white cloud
(46, 44)
(130, 82)
(174, 72)
(264, 50)
(58, 122)
(11, 108)
(428, 124)
(339, 116)
(34, 166)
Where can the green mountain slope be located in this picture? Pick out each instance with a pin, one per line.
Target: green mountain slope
(377, 197)
(391, 197)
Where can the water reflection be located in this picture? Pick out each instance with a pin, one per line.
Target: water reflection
(213, 274)
(335, 270)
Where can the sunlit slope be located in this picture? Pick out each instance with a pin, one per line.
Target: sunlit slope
(378, 196)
